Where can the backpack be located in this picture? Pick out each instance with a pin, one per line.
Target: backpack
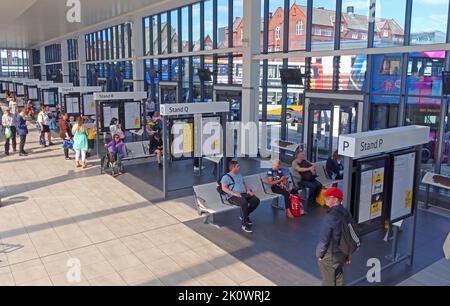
(219, 183)
(350, 241)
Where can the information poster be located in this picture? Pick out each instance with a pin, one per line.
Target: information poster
(403, 186)
(72, 105)
(371, 191)
(132, 115)
(88, 105)
(33, 93)
(49, 98)
(109, 112)
(20, 90)
(211, 136)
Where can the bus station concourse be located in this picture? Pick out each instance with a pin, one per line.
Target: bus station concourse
(137, 142)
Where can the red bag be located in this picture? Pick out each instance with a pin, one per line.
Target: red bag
(296, 206)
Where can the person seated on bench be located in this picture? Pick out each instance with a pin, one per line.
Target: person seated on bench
(334, 167)
(279, 185)
(308, 174)
(239, 194)
(116, 150)
(156, 147)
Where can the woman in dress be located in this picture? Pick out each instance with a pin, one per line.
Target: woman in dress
(80, 143)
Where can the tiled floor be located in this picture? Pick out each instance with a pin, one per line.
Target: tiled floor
(56, 221)
(437, 274)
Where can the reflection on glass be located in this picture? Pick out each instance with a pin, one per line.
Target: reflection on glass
(425, 76)
(174, 30)
(324, 21)
(208, 25)
(429, 22)
(389, 23)
(196, 27)
(321, 73)
(222, 23)
(352, 72)
(164, 34)
(185, 29)
(355, 24)
(386, 75)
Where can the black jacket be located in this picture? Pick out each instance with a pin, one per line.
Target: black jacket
(330, 232)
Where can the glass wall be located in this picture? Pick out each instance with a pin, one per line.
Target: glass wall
(113, 43)
(389, 23)
(354, 24)
(14, 63)
(429, 22)
(324, 22)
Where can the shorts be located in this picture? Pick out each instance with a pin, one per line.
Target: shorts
(46, 129)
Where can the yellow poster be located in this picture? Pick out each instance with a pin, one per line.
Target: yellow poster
(188, 138)
(137, 122)
(408, 199)
(93, 104)
(378, 181)
(375, 209)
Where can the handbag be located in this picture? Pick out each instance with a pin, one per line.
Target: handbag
(8, 133)
(68, 144)
(296, 206)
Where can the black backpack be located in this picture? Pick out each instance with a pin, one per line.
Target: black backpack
(219, 187)
(350, 241)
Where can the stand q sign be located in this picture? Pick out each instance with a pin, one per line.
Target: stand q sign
(366, 144)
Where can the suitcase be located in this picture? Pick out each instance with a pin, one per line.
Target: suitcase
(296, 206)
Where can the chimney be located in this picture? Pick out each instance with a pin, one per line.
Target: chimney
(350, 9)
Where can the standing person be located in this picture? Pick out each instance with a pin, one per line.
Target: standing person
(334, 167)
(279, 185)
(156, 147)
(44, 124)
(13, 107)
(116, 128)
(22, 130)
(9, 122)
(72, 121)
(150, 107)
(330, 258)
(80, 143)
(305, 173)
(233, 184)
(65, 132)
(92, 133)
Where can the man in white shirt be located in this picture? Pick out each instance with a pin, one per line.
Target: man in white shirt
(13, 107)
(9, 121)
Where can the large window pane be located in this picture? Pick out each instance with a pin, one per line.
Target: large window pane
(384, 112)
(238, 24)
(164, 34)
(146, 34)
(276, 25)
(208, 25)
(386, 75)
(389, 23)
(324, 19)
(222, 23)
(425, 76)
(321, 73)
(174, 30)
(185, 28)
(196, 27)
(355, 24)
(429, 21)
(155, 34)
(297, 25)
(352, 72)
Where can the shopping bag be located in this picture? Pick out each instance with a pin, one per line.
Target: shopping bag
(8, 133)
(296, 206)
(68, 144)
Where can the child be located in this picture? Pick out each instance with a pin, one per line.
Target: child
(92, 133)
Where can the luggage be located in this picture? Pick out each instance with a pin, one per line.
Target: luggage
(321, 199)
(350, 241)
(68, 144)
(296, 206)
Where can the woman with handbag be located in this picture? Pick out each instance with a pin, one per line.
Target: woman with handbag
(65, 132)
(80, 143)
(9, 124)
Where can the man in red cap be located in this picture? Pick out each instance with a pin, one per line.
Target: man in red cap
(330, 258)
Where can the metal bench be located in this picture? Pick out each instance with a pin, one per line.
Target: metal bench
(133, 151)
(209, 201)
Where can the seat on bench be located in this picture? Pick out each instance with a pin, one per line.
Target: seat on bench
(255, 184)
(322, 175)
(208, 200)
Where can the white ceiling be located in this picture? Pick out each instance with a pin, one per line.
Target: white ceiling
(27, 23)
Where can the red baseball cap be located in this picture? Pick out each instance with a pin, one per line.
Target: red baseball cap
(334, 192)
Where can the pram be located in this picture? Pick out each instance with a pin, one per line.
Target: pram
(111, 164)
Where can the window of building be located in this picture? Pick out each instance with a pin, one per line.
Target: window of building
(277, 33)
(385, 33)
(355, 35)
(299, 28)
(329, 32)
(317, 31)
